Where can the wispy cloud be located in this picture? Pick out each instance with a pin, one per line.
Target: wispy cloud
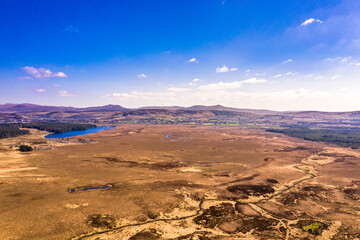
(138, 95)
(40, 90)
(338, 59)
(254, 80)
(193, 60)
(287, 61)
(143, 75)
(64, 93)
(233, 69)
(260, 74)
(25, 78)
(222, 69)
(336, 76)
(230, 85)
(42, 72)
(194, 82)
(310, 21)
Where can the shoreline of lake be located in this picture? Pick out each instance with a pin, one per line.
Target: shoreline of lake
(78, 133)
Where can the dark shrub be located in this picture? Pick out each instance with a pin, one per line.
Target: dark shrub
(25, 148)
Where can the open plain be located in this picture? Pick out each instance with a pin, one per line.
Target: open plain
(178, 182)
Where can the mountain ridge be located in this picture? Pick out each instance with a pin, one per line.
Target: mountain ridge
(29, 107)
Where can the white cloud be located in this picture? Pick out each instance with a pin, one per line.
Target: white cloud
(335, 76)
(230, 85)
(301, 98)
(143, 75)
(137, 95)
(59, 74)
(221, 85)
(310, 21)
(193, 60)
(287, 61)
(331, 59)
(254, 80)
(43, 72)
(56, 85)
(247, 70)
(345, 59)
(342, 60)
(260, 74)
(40, 90)
(194, 82)
(233, 69)
(222, 69)
(277, 75)
(64, 93)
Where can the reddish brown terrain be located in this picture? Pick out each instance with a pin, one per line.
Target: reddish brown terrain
(199, 182)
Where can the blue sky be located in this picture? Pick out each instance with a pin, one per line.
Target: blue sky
(281, 55)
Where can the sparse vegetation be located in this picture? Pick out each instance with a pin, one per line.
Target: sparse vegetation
(313, 228)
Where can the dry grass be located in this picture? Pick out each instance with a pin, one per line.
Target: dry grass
(150, 179)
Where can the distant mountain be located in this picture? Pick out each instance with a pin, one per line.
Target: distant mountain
(229, 109)
(163, 107)
(109, 107)
(213, 108)
(27, 107)
(355, 114)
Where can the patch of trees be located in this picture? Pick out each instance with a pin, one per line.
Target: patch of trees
(25, 148)
(58, 127)
(11, 131)
(345, 137)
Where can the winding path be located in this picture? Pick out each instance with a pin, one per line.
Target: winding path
(251, 203)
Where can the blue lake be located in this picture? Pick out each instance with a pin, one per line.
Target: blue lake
(79, 133)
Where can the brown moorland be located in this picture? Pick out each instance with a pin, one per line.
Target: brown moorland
(178, 182)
